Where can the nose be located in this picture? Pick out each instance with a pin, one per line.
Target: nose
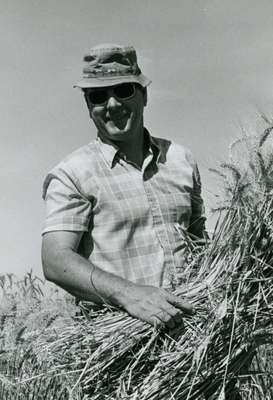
(112, 102)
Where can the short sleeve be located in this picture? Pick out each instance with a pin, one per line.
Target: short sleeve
(66, 207)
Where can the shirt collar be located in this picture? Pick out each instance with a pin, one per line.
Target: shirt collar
(111, 152)
(153, 146)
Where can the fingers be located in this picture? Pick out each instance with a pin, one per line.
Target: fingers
(174, 316)
(181, 304)
(178, 318)
(168, 316)
(156, 322)
(157, 306)
(171, 310)
(163, 319)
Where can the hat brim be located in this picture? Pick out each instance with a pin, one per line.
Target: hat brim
(104, 81)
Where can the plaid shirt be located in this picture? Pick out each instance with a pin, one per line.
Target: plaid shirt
(131, 217)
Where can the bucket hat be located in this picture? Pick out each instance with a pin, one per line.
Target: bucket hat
(111, 64)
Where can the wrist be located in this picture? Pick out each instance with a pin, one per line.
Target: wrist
(111, 288)
(122, 296)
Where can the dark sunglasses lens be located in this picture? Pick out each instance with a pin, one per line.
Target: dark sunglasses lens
(98, 96)
(124, 90)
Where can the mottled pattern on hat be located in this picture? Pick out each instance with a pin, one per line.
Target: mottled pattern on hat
(111, 63)
(111, 60)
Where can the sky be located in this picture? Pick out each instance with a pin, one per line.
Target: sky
(211, 65)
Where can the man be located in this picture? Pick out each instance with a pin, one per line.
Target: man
(116, 206)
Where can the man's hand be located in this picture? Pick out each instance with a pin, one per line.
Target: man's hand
(156, 306)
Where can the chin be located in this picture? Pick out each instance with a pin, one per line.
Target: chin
(119, 135)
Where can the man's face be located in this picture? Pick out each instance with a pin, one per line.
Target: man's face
(117, 111)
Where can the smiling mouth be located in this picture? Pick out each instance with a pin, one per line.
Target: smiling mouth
(120, 120)
(118, 117)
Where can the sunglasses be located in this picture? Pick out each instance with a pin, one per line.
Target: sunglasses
(124, 91)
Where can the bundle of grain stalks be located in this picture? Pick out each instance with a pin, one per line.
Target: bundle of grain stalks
(106, 354)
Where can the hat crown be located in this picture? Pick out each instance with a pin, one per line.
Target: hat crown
(111, 59)
(111, 64)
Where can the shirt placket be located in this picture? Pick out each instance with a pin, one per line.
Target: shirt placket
(169, 272)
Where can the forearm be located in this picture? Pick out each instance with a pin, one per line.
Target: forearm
(79, 277)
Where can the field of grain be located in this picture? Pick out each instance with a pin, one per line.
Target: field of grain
(52, 349)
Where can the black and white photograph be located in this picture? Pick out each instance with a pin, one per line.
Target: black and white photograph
(136, 159)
